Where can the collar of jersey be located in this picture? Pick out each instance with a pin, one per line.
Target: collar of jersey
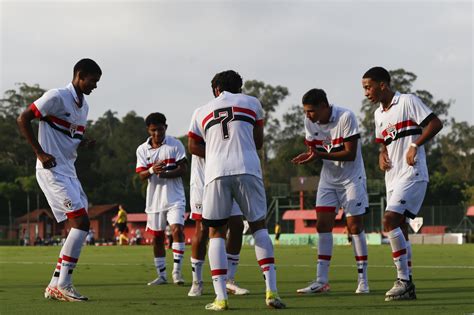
(71, 89)
(148, 142)
(395, 99)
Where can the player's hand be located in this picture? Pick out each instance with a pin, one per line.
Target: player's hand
(304, 157)
(384, 161)
(159, 167)
(411, 156)
(46, 159)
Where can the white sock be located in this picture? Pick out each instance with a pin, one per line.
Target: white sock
(409, 255)
(399, 253)
(196, 267)
(218, 262)
(359, 244)
(160, 265)
(178, 254)
(54, 279)
(232, 265)
(70, 255)
(325, 242)
(265, 258)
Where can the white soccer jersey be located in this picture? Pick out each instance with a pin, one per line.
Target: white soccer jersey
(330, 137)
(61, 128)
(162, 194)
(226, 125)
(397, 128)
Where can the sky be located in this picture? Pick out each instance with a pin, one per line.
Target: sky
(162, 55)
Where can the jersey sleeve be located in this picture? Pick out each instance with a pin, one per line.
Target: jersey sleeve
(308, 137)
(259, 112)
(378, 130)
(46, 104)
(194, 128)
(417, 110)
(180, 152)
(142, 164)
(351, 126)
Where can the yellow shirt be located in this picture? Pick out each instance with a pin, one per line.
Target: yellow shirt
(122, 216)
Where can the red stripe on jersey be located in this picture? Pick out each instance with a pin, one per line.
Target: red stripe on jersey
(143, 168)
(325, 209)
(379, 140)
(35, 110)
(76, 213)
(324, 257)
(400, 125)
(196, 216)
(70, 259)
(155, 233)
(338, 140)
(169, 161)
(266, 261)
(399, 253)
(313, 143)
(359, 258)
(205, 120)
(259, 122)
(195, 136)
(66, 124)
(245, 111)
(218, 272)
(178, 251)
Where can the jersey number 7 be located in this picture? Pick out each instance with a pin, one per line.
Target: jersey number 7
(225, 116)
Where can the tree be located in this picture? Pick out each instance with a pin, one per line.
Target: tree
(8, 191)
(16, 101)
(29, 185)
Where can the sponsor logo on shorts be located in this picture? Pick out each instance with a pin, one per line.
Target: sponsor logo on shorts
(403, 201)
(359, 204)
(68, 204)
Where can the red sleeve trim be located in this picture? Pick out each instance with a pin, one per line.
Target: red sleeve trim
(35, 110)
(259, 122)
(379, 140)
(194, 136)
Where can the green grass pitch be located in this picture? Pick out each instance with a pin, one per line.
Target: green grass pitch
(114, 278)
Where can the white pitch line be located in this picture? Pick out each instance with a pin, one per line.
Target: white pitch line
(240, 265)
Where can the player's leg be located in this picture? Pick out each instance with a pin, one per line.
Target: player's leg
(217, 205)
(68, 202)
(327, 205)
(404, 228)
(156, 225)
(198, 255)
(249, 193)
(355, 202)
(176, 220)
(233, 247)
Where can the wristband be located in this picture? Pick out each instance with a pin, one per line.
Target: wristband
(151, 171)
(413, 144)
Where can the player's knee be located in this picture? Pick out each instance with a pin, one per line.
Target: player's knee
(236, 225)
(323, 227)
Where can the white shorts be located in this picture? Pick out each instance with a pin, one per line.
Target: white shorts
(196, 204)
(406, 198)
(219, 195)
(64, 194)
(353, 199)
(156, 222)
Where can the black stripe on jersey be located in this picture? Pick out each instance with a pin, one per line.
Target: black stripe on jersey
(429, 118)
(356, 136)
(402, 134)
(336, 149)
(65, 132)
(216, 121)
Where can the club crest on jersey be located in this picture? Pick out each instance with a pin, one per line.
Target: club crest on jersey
(68, 204)
(73, 129)
(327, 144)
(391, 131)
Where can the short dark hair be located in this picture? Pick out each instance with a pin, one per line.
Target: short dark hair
(378, 74)
(87, 66)
(155, 119)
(315, 97)
(229, 81)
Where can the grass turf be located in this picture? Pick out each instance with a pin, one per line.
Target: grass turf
(114, 278)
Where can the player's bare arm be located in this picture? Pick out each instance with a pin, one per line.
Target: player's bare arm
(348, 154)
(196, 147)
(432, 125)
(384, 161)
(179, 171)
(258, 136)
(305, 157)
(24, 124)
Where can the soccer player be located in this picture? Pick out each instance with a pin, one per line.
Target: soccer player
(403, 124)
(161, 160)
(63, 117)
(201, 236)
(332, 135)
(231, 125)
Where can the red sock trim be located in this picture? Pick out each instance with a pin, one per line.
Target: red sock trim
(359, 258)
(399, 253)
(324, 257)
(178, 251)
(70, 259)
(218, 272)
(266, 261)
